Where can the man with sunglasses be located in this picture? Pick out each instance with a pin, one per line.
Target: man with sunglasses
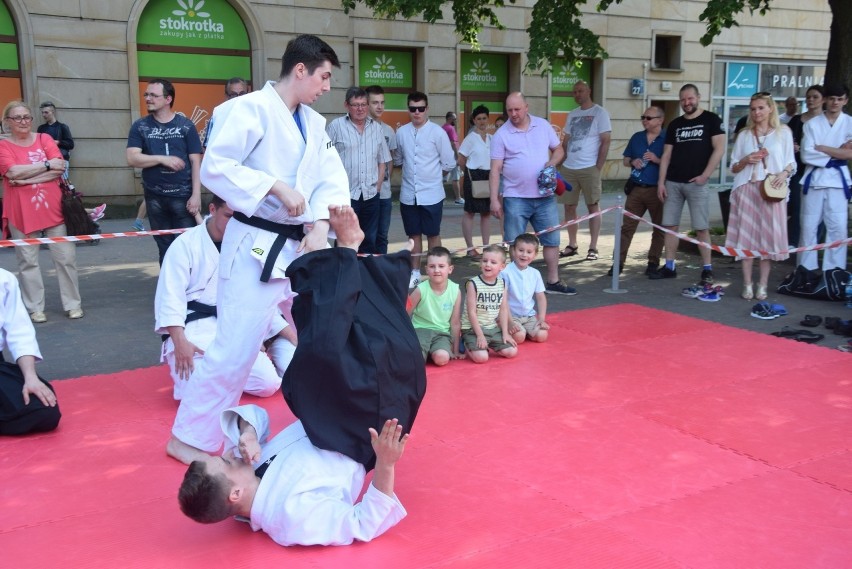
(424, 152)
(235, 87)
(643, 154)
(166, 146)
(826, 185)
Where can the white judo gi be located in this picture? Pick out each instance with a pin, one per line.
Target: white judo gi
(190, 272)
(307, 495)
(825, 200)
(16, 329)
(254, 142)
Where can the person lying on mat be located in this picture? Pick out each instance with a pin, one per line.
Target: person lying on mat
(300, 494)
(352, 384)
(27, 403)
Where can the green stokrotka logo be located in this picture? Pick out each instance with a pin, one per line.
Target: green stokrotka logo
(383, 69)
(479, 73)
(567, 75)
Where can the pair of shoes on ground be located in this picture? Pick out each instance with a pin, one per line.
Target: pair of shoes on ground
(706, 293)
(799, 335)
(766, 311)
(559, 288)
(98, 212)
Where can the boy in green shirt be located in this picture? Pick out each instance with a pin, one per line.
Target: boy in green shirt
(435, 309)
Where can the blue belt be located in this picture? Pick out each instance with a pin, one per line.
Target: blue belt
(837, 165)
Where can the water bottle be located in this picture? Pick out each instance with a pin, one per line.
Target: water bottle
(849, 293)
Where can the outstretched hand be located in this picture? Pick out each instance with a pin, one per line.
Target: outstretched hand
(390, 443)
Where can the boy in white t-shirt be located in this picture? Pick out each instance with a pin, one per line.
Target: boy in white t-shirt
(527, 301)
(435, 309)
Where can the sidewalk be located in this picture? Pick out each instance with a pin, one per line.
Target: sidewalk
(118, 278)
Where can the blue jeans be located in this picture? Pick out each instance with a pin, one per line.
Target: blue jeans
(167, 213)
(368, 218)
(541, 213)
(385, 210)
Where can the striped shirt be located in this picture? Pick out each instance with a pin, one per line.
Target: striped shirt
(361, 152)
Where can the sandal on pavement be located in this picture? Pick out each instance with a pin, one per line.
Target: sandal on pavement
(568, 251)
(592, 255)
(811, 321)
(799, 335)
(474, 254)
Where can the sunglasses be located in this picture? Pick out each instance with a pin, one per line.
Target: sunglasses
(417, 109)
(648, 118)
(761, 95)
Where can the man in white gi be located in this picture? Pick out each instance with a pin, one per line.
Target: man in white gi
(27, 403)
(826, 147)
(424, 152)
(300, 494)
(185, 308)
(361, 144)
(276, 168)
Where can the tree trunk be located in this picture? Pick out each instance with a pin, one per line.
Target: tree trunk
(838, 67)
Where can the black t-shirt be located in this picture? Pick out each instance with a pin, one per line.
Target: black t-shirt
(176, 138)
(692, 145)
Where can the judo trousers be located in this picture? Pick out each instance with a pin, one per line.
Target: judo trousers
(17, 418)
(358, 361)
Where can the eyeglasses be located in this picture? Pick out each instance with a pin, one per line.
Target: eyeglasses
(151, 96)
(417, 109)
(21, 119)
(231, 95)
(358, 105)
(647, 118)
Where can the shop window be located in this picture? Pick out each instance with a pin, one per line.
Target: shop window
(668, 52)
(10, 69)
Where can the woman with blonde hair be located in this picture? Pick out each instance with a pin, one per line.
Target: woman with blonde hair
(764, 147)
(31, 166)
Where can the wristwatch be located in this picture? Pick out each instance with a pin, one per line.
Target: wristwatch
(47, 164)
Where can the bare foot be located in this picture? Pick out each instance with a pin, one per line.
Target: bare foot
(343, 220)
(183, 452)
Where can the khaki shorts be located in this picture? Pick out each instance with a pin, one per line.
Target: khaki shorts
(493, 335)
(431, 341)
(528, 323)
(585, 180)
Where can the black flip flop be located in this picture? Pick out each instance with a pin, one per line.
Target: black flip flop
(799, 335)
(811, 321)
(568, 251)
(831, 322)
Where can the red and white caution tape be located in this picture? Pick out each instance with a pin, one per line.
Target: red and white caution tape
(78, 238)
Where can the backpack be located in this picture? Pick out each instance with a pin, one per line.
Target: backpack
(819, 285)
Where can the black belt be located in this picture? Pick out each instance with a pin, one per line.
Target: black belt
(200, 310)
(644, 186)
(285, 232)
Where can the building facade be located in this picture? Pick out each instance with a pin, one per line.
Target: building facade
(92, 59)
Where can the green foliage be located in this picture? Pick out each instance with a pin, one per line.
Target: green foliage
(556, 28)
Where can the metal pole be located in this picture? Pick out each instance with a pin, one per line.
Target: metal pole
(616, 254)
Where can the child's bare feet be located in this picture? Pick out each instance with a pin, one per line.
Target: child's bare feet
(343, 220)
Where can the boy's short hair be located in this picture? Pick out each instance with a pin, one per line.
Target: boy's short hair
(440, 252)
(527, 238)
(203, 497)
(497, 249)
(309, 50)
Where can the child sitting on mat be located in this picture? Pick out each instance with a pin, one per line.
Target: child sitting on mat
(435, 309)
(527, 301)
(485, 320)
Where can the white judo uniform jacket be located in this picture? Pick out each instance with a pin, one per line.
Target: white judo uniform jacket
(307, 495)
(16, 329)
(241, 166)
(190, 272)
